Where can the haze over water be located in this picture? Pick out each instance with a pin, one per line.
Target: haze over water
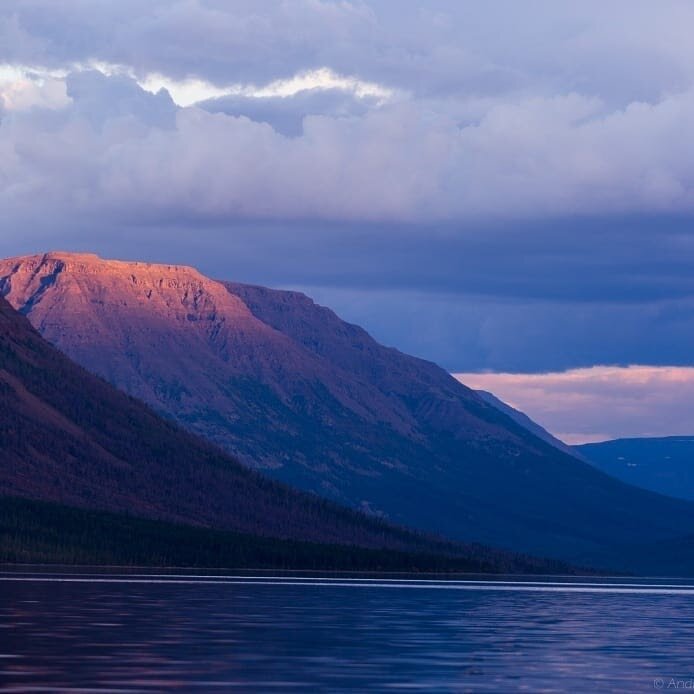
(152, 632)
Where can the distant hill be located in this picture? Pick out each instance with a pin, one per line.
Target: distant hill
(316, 402)
(664, 465)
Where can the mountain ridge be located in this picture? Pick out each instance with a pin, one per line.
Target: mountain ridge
(528, 423)
(317, 403)
(663, 464)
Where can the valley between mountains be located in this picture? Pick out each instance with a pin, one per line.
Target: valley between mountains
(299, 395)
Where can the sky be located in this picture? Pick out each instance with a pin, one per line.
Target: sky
(501, 187)
(601, 402)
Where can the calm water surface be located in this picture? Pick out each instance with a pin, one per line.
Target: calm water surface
(95, 631)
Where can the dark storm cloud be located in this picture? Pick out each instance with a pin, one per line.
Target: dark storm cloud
(472, 333)
(586, 261)
(533, 315)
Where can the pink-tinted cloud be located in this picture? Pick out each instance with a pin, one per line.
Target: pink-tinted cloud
(599, 403)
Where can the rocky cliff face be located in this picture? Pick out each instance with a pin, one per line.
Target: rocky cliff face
(290, 388)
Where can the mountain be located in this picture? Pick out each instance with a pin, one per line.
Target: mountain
(663, 465)
(316, 402)
(68, 437)
(527, 423)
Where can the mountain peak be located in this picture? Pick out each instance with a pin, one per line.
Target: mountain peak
(25, 280)
(85, 262)
(117, 318)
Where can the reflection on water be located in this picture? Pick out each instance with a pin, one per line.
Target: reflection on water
(181, 632)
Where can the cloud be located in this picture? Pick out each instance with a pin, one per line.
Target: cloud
(220, 42)
(453, 111)
(102, 100)
(600, 403)
(302, 85)
(402, 161)
(144, 157)
(286, 114)
(626, 49)
(21, 90)
(514, 182)
(284, 104)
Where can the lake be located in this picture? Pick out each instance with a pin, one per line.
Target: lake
(93, 630)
